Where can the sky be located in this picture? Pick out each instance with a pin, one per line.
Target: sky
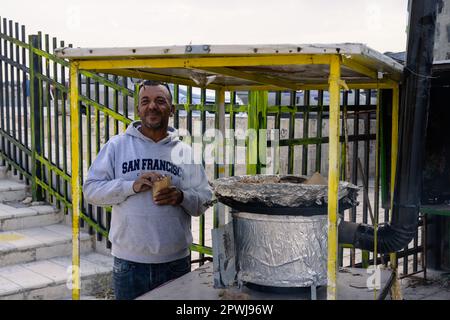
(380, 24)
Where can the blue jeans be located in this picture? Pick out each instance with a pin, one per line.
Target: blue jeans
(133, 279)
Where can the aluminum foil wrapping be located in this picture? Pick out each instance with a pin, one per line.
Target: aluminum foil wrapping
(281, 251)
(279, 190)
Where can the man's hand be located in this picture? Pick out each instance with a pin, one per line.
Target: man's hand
(145, 181)
(171, 195)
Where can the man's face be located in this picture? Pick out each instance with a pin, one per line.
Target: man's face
(155, 107)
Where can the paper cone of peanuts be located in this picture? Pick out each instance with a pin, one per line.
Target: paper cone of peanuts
(161, 183)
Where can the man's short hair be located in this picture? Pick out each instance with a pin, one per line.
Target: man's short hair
(154, 83)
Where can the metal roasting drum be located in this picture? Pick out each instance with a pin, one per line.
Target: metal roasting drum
(279, 228)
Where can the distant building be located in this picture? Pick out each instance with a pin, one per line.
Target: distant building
(442, 40)
(442, 37)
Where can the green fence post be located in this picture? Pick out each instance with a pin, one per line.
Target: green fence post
(36, 146)
(251, 138)
(257, 119)
(136, 101)
(263, 103)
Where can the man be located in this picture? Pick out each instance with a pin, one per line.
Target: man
(150, 234)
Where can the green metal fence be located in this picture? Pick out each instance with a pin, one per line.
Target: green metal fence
(35, 134)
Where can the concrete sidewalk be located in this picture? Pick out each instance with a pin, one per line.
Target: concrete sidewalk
(435, 287)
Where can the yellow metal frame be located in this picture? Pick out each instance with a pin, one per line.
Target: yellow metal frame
(333, 176)
(75, 157)
(394, 157)
(204, 62)
(220, 65)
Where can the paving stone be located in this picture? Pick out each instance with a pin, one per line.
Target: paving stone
(15, 256)
(51, 292)
(6, 246)
(86, 267)
(11, 185)
(35, 251)
(29, 222)
(65, 230)
(22, 212)
(13, 195)
(22, 241)
(45, 236)
(49, 279)
(44, 209)
(25, 278)
(62, 249)
(416, 288)
(12, 218)
(5, 208)
(18, 296)
(5, 215)
(7, 286)
(38, 244)
(101, 260)
(48, 269)
(442, 294)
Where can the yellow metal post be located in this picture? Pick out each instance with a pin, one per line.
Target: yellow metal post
(377, 184)
(333, 175)
(394, 141)
(220, 126)
(74, 124)
(394, 153)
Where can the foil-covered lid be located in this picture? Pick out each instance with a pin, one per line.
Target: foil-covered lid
(280, 194)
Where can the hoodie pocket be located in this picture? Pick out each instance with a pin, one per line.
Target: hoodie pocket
(118, 232)
(155, 235)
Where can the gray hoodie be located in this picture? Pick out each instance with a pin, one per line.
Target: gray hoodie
(142, 231)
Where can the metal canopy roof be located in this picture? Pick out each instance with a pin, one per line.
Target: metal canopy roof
(234, 67)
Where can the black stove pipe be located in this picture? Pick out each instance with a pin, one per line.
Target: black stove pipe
(413, 116)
